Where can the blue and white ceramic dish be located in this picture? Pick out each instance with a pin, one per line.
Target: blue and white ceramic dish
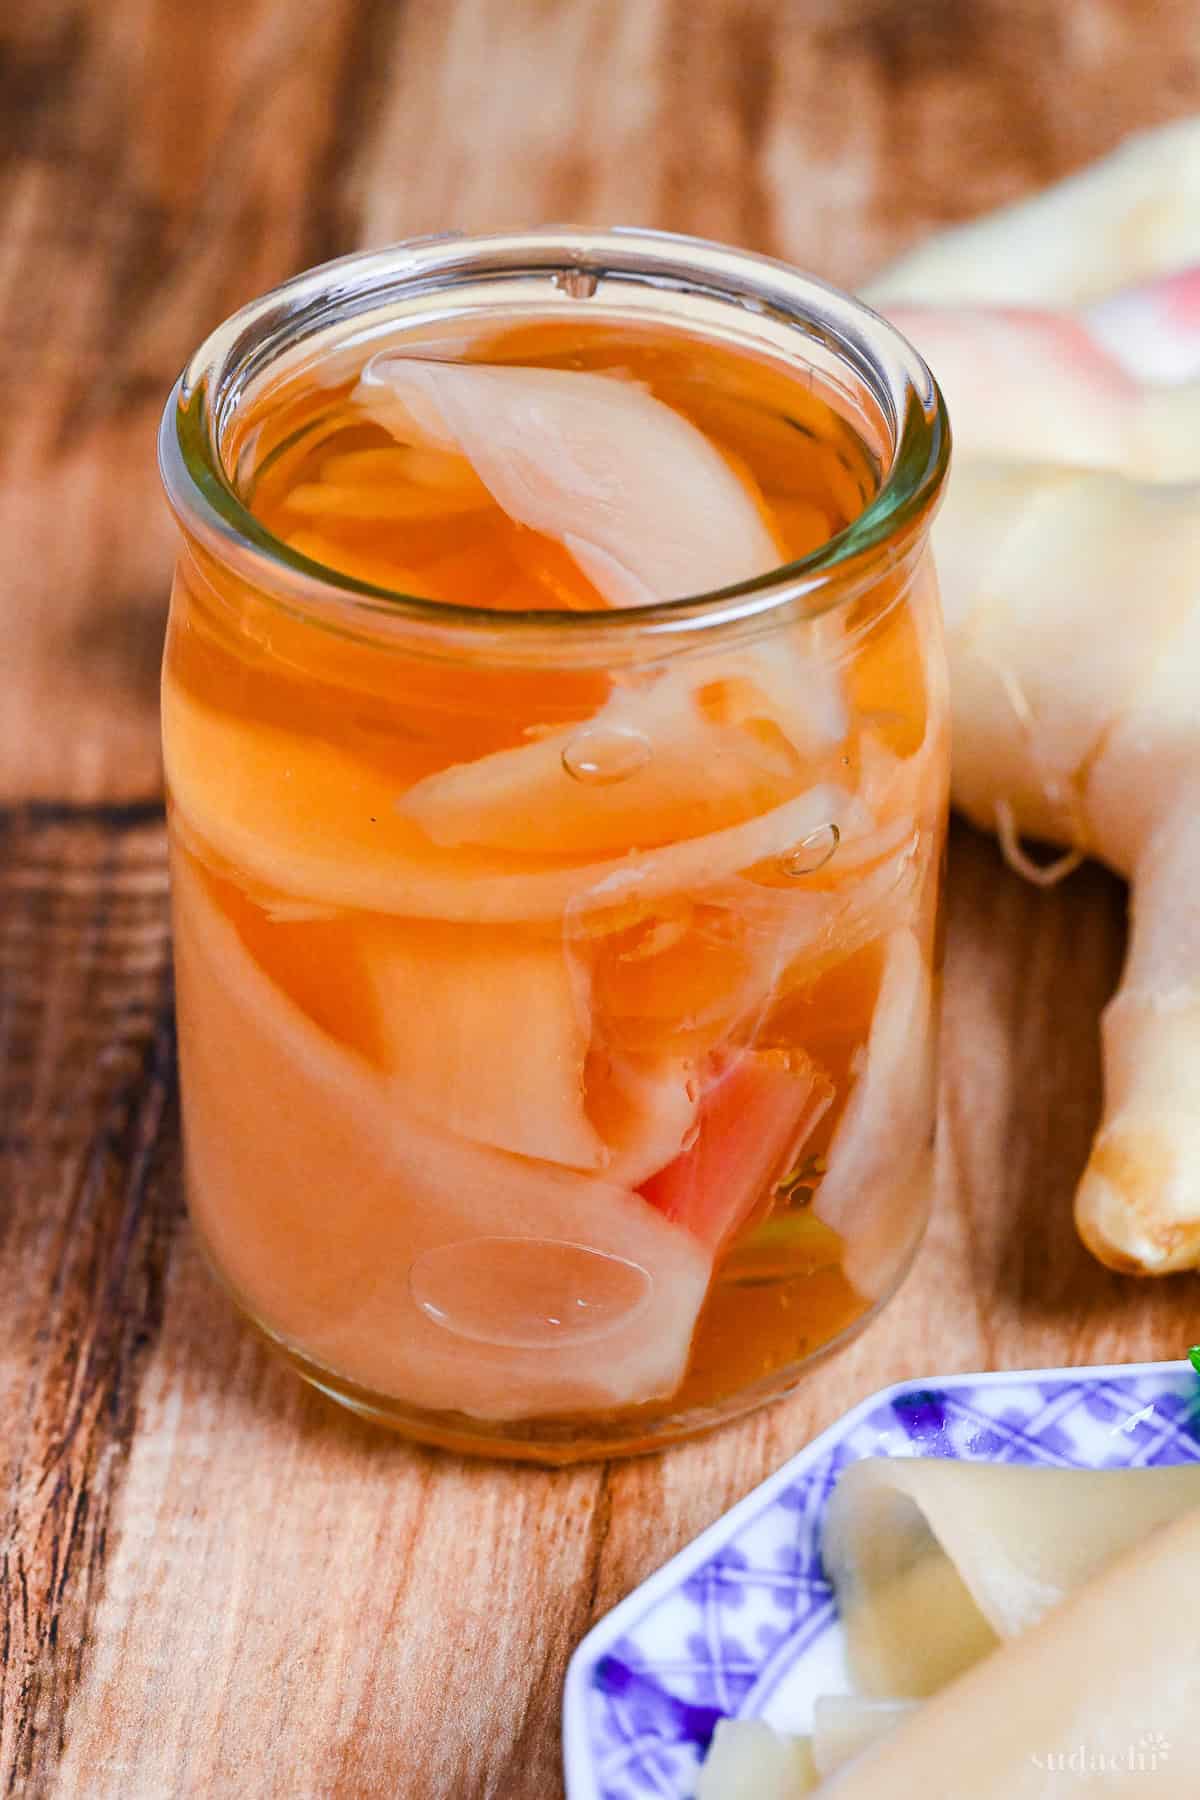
(743, 1622)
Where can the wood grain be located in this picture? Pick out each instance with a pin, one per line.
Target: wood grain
(89, 1210)
(213, 1585)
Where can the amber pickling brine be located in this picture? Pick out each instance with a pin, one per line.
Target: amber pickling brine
(555, 730)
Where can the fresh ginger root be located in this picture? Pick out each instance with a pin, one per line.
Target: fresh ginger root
(1069, 555)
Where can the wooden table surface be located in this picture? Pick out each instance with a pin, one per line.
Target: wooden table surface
(214, 1584)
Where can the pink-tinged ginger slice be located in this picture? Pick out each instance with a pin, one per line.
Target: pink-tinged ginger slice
(1015, 377)
(874, 1191)
(444, 1273)
(485, 1032)
(755, 1117)
(1026, 383)
(648, 508)
(1152, 329)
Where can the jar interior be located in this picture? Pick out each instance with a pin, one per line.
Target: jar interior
(592, 992)
(743, 439)
(326, 325)
(466, 308)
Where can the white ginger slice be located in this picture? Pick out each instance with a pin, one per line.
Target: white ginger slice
(935, 1561)
(651, 511)
(340, 1217)
(1131, 216)
(878, 1162)
(1037, 567)
(644, 503)
(485, 1032)
(749, 1761)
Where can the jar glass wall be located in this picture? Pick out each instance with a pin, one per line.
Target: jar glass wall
(556, 984)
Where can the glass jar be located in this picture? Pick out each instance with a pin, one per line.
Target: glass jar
(556, 989)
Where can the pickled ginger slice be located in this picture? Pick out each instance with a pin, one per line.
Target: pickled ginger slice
(844, 1725)
(649, 509)
(306, 817)
(689, 981)
(392, 467)
(786, 678)
(485, 1032)
(1101, 1696)
(749, 1761)
(643, 1108)
(649, 768)
(871, 1192)
(759, 1109)
(902, 791)
(406, 1259)
(646, 505)
(936, 1561)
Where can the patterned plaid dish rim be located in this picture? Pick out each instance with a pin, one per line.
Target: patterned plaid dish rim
(746, 1607)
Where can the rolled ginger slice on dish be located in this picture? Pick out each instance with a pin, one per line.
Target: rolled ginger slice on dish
(402, 1257)
(936, 1561)
(1102, 1695)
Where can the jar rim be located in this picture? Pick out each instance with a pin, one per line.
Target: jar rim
(209, 508)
